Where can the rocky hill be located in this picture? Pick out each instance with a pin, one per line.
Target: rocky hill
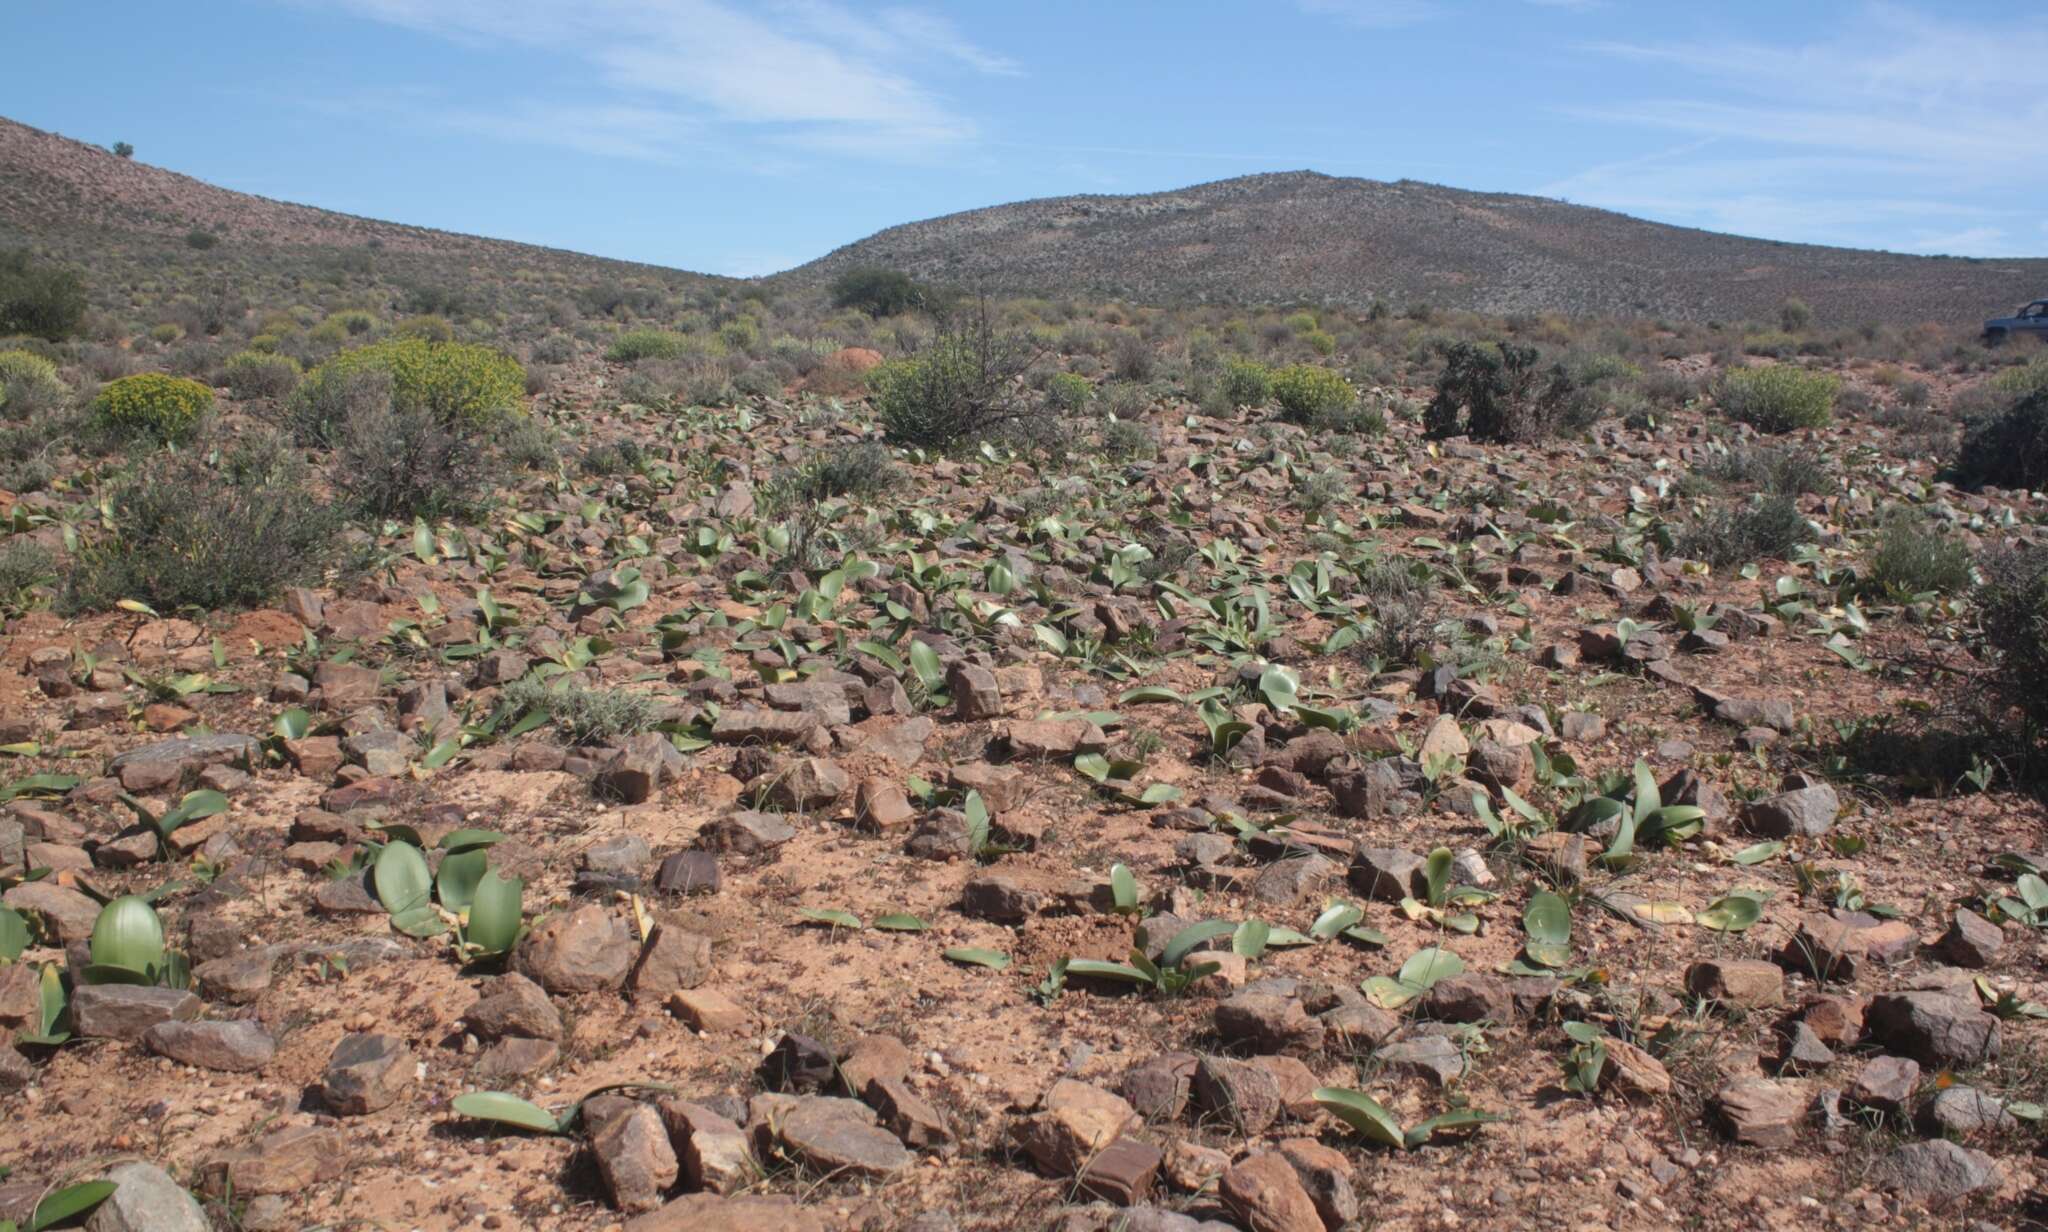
(1301, 236)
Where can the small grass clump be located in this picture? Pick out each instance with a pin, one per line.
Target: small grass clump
(1766, 529)
(29, 385)
(1912, 558)
(1308, 394)
(585, 715)
(1790, 472)
(637, 344)
(253, 374)
(1246, 382)
(859, 471)
(2008, 449)
(1779, 397)
(152, 404)
(2012, 607)
(456, 382)
(24, 566)
(208, 529)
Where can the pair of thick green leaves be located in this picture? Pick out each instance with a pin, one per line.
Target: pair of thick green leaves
(1417, 976)
(193, 807)
(1645, 819)
(2031, 907)
(1375, 1124)
(504, 1108)
(63, 1206)
(1587, 1059)
(486, 900)
(1172, 972)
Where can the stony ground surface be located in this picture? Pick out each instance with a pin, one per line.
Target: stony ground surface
(967, 700)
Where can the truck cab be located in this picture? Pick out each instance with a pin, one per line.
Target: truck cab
(2031, 320)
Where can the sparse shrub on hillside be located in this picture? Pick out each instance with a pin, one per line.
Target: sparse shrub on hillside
(876, 291)
(24, 566)
(1131, 357)
(2012, 607)
(1771, 344)
(585, 715)
(1246, 382)
(426, 326)
(458, 382)
(859, 471)
(554, 349)
(1787, 471)
(1912, 558)
(1778, 397)
(1494, 391)
(29, 386)
(635, 345)
(1307, 393)
(1794, 316)
(1067, 391)
(152, 404)
(2008, 449)
(191, 531)
(961, 386)
(1125, 441)
(253, 374)
(199, 240)
(1405, 611)
(407, 462)
(1766, 529)
(354, 321)
(37, 299)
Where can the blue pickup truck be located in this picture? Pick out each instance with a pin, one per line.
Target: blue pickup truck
(2030, 321)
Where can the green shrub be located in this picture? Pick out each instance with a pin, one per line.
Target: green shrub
(1768, 529)
(1306, 392)
(1320, 341)
(458, 382)
(585, 715)
(152, 404)
(199, 240)
(196, 528)
(1246, 382)
(427, 327)
(1779, 397)
(638, 344)
(252, 374)
(1794, 315)
(2006, 450)
(1500, 393)
(1068, 391)
(2012, 607)
(860, 471)
(876, 291)
(354, 321)
(1125, 441)
(407, 462)
(2022, 379)
(42, 301)
(961, 386)
(1791, 472)
(29, 385)
(1912, 558)
(24, 566)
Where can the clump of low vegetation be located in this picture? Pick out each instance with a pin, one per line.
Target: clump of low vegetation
(2012, 607)
(876, 291)
(457, 382)
(38, 299)
(253, 374)
(29, 386)
(584, 715)
(962, 386)
(2006, 449)
(860, 471)
(1912, 558)
(1309, 394)
(1772, 469)
(638, 344)
(1778, 397)
(152, 404)
(1497, 391)
(208, 529)
(1768, 528)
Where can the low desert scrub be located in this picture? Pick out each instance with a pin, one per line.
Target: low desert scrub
(1779, 397)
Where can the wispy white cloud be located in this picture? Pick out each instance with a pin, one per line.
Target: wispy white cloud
(802, 73)
(1890, 119)
(1375, 14)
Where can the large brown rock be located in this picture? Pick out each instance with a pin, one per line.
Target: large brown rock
(1074, 1122)
(578, 951)
(1265, 1193)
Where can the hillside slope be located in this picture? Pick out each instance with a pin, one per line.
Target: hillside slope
(116, 215)
(1301, 236)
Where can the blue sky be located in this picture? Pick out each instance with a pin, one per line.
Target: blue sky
(742, 138)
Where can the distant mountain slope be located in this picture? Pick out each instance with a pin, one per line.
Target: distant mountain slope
(82, 202)
(1301, 236)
